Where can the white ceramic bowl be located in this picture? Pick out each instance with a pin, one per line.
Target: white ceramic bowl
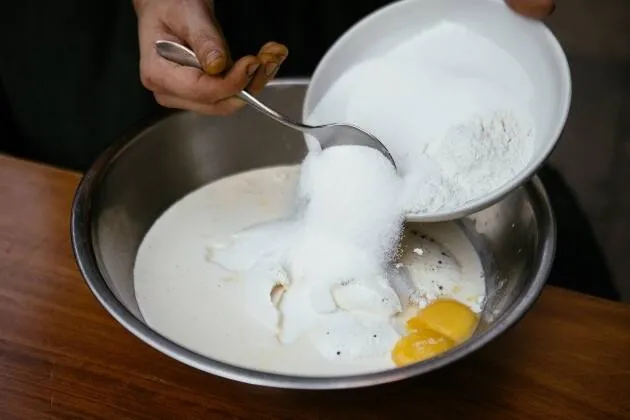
(528, 41)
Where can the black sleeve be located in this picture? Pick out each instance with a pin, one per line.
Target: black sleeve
(70, 78)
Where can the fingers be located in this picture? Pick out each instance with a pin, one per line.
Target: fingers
(164, 77)
(234, 82)
(271, 56)
(222, 108)
(194, 23)
(214, 90)
(191, 87)
(536, 9)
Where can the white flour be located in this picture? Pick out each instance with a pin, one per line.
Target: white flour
(450, 105)
(482, 154)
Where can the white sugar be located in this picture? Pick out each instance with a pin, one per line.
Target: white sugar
(353, 195)
(348, 225)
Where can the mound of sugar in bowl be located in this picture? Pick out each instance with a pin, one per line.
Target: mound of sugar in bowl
(347, 232)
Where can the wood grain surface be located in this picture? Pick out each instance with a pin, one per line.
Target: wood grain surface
(63, 357)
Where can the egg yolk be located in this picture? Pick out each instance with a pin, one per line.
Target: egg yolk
(420, 345)
(447, 317)
(435, 329)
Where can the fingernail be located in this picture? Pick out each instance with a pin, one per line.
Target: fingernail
(215, 61)
(252, 68)
(271, 68)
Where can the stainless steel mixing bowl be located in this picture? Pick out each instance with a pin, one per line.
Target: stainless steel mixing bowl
(133, 182)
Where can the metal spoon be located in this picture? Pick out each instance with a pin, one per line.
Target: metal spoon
(327, 135)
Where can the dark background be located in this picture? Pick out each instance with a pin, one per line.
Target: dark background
(85, 49)
(594, 153)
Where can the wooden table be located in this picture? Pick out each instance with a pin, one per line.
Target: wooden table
(63, 356)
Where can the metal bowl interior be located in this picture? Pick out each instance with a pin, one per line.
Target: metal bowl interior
(133, 182)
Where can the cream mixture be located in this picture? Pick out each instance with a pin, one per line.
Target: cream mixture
(211, 291)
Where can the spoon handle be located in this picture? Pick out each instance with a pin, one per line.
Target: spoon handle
(261, 107)
(183, 56)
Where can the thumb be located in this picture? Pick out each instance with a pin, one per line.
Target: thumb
(205, 38)
(536, 9)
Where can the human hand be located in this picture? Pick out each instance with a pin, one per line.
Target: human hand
(537, 9)
(192, 23)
